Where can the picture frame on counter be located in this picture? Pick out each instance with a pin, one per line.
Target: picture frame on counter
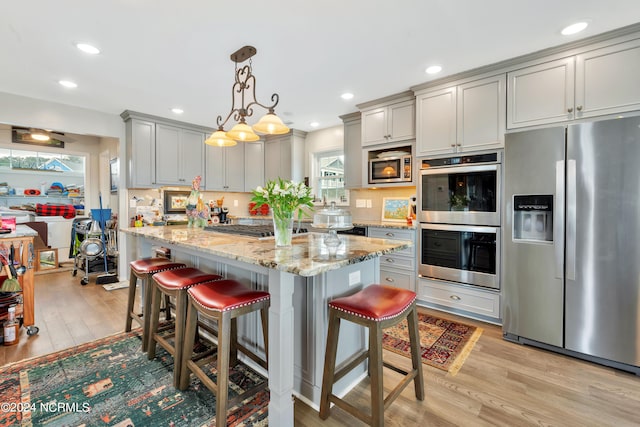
(395, 209)
(175, 201)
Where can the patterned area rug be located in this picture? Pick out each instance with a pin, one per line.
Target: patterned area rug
(110, 382)
(444, 344)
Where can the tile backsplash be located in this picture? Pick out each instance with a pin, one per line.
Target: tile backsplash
(374, 213)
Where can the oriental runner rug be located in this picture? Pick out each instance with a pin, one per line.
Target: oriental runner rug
(444, 344)
(110, 382)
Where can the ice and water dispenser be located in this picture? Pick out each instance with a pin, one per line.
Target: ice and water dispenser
(533, 218)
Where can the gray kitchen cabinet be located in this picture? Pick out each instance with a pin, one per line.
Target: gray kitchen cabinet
(353, 154)
(179, 155)
(253, 165)
(389, 123)
(460, 299)
(593, 83)
(141, 148)
(225, 167)
(399, 268)
(284, 156)
(461, 118)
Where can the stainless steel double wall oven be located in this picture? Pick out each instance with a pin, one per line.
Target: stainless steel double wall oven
(459, 215)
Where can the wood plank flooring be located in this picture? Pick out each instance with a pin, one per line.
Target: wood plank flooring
(500, 384)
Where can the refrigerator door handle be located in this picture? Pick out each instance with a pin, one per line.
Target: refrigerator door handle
(558, 220)
(571, 220)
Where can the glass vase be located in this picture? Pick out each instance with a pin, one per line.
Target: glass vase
(283, 228)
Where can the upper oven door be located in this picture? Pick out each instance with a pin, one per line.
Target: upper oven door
(460, 195)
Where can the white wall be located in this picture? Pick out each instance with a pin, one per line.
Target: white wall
(328, 139)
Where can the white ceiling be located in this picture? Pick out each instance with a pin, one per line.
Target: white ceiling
(159, 54)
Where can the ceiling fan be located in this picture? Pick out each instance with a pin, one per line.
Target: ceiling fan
(39, 136)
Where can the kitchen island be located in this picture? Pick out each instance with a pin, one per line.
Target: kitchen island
(301, 280)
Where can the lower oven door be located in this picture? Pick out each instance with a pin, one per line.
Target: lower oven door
(460, 253)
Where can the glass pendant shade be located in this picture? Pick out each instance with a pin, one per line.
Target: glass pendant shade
(242, 132)
(271, 124)
(220, 139)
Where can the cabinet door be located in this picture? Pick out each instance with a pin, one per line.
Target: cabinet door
(168, 155)
(402, 121)
(353, 154)
(541, 94)
(481, 114)
(234, 167)
(142, 146)
(214, 170)
(191, 157)
(253, 165)
(271, 160)
(436, 122)
(374, 126)
(607, 80)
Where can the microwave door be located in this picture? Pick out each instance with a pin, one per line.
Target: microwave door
(387, 170)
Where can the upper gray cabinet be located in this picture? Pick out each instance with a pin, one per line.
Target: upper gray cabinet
(141, 148)
(468, 116)
(284, 156)
(353, 155)
(179, 155)
(388, 123)
(593, 83)
(225, 167)
(239, 168)
(162, 151)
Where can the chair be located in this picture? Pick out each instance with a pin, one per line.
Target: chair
(223, 301)
(143, 269)
(173, 283)
(376, 307)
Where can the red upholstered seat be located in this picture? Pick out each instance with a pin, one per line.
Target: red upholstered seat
(224, 295)
(182, 278)
(376, 302)
(154, 265)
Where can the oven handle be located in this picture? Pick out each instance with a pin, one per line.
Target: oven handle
(459, 169)
(468, 228)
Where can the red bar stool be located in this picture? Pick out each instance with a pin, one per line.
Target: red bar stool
(143, 269)
(223, 301)
(173, 283)
(376, 307)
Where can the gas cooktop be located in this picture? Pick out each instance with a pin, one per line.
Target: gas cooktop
(259, 231)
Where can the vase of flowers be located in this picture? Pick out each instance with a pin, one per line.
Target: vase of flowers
(285, 198)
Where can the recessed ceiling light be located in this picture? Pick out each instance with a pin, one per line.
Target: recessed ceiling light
(87, 48)
(68, 83)
(574, 28)
(177, 110)
(314, 124)
(434, 69)
(346, 96)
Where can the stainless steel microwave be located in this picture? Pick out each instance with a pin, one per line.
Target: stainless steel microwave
(393, 168)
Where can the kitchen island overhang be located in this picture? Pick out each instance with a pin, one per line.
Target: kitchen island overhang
(301, 279)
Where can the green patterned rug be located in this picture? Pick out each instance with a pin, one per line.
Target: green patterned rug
(110, 382)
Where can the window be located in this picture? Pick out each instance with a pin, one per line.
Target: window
(328, 178)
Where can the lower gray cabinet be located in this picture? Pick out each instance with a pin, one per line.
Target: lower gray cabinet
(399, 268)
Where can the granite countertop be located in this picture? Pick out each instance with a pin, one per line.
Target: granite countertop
(21, 231)
(308, 255)
(356, 223)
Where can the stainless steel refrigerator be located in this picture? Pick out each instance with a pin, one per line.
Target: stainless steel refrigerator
(571, 240)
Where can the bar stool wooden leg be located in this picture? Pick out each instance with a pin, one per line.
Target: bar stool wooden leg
(416, 359)
(224, 347)
(329, 365)
(375, 369)
(133, 279)
(187, 347)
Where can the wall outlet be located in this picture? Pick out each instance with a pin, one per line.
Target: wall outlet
(354, 278)
(361, 203)
(235, 203)
(369, 203)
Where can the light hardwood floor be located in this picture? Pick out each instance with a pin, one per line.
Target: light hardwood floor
(500, 384)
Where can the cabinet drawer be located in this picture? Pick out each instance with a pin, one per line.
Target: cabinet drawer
(394, 261)
(392, 233)
(399, 279)
(486, 303)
